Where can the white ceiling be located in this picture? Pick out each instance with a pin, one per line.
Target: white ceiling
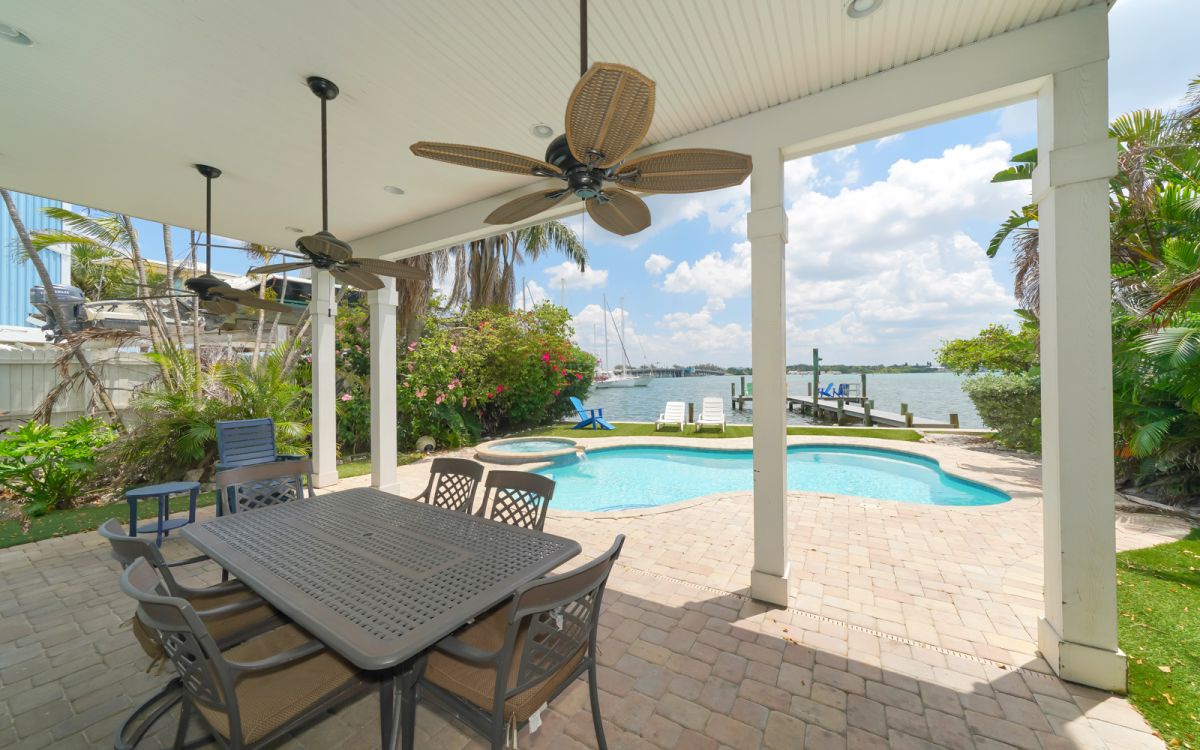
(115, 101)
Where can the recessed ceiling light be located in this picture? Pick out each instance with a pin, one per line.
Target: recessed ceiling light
(16, 36)
(541, 130)
(393, 190)
(862, 8)
(297, 230)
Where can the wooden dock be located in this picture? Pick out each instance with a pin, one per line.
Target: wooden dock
(840, 411)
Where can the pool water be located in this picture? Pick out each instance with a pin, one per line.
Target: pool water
(532, 446)
(646, 476)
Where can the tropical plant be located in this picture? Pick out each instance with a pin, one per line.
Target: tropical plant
(179, 410)
(101, 272)
(485, 270)
(1010, 404)
(995, 349)
(491, 370)
(48, 468)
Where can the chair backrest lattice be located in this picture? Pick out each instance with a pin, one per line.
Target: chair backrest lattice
(558, 615)
(452, 484)
(713, 407)
(518, 498)
(263, 485)
(675, 409)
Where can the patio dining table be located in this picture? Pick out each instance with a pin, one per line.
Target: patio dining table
(379, 579)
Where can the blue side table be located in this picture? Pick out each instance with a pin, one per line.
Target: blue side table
(163, 526)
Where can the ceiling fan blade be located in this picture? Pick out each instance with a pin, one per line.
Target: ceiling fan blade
(265, 304)
(526, 206)
(485, 158)
(218, 306)
(624, 213)
(277, 268)
(324, 245)
(609, 114)
(688, 170)
(358, 279)
(388, 268)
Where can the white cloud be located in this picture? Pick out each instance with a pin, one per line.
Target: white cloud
(676, 338)
(567, 275)
(880, 272)
(657, 264)
(532, 295)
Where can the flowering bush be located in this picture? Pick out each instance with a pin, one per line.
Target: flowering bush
(490, 371)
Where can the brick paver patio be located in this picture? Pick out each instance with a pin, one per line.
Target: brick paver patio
(908, 627)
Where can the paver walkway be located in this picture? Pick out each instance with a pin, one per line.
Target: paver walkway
(908, 627)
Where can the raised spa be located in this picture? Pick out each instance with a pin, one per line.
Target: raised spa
(525, 450)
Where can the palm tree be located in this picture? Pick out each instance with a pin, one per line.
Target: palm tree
(261, 255)
(99, 272)
(485, 270)
(60, 315)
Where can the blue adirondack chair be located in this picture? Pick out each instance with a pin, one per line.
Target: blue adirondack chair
(593, 418)
(827, 391)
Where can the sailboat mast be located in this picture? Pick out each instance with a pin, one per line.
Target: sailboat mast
(605, 298)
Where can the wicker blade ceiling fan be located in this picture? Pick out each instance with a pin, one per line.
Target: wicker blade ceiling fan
(216, 296)
(608, 116)
(325, 251)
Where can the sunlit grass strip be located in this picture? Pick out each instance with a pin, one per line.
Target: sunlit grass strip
(1158, 596)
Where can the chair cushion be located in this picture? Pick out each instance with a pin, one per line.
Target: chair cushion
(477, 682)
(268, 700)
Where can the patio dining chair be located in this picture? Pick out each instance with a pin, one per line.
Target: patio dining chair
(499, 671)
(452, 484)
(253, 693)
(263, 485)
(519, 498)
(231, 612)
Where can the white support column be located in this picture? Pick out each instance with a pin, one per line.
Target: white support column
(767, 229)
(324, 381)
(382, 307)
(1078, 635)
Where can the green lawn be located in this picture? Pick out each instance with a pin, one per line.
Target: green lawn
(628, 429)
(1158, 597)
(89, 517)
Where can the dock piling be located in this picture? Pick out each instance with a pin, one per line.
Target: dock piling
(867, 414)
(954, 420)
(903, 408)
(908, 418)
(841, 411)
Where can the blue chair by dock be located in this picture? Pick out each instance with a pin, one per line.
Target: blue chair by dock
(593, 418)
(827, 391)
(246, 442)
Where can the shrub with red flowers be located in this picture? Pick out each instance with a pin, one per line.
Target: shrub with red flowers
(490, 371)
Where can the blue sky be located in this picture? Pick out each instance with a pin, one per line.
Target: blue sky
(885, 255)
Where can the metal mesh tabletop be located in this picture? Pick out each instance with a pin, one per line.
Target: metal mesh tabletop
(376, 577)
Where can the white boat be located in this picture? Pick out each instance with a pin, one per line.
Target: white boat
(619, 378)
(610, 379)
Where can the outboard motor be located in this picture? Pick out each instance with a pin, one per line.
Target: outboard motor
(69, 297)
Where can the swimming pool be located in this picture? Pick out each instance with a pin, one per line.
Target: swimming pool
(646, 476)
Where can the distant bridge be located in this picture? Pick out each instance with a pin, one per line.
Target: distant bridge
(675, 372)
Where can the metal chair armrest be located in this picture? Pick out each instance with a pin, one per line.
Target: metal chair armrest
(282, 659)
(220, 589)
(232, 608)
(187, 561)
(466, 651)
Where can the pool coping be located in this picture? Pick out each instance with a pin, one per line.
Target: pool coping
(949, 459)
(484, 451)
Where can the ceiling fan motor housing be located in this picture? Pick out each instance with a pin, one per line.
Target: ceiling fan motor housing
(584, 181)
(202, 286)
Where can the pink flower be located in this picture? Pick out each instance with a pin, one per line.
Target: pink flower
(555, 391)
(420, 393)
(346, 397)
(412, 345)
(499, 388)
(410, 366)
(546, 357)
(454, 348)
(464, 402)
(579, 376)
(438, 400)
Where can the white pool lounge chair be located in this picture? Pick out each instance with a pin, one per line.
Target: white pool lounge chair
(675, 412)
(712, 413)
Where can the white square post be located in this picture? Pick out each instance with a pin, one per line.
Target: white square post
(382, 308)
(324, 379)
(1078, 634)
(766, 226)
